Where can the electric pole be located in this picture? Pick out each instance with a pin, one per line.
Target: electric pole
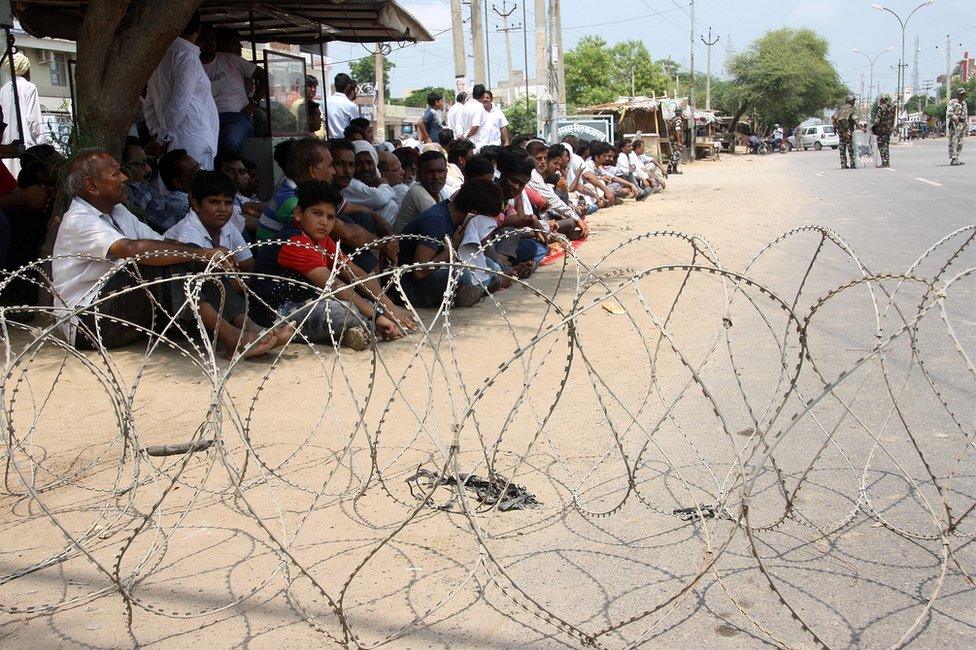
(504, 14)
(556, 20)
(915, 68)
(478, 42)
(460, 65)
(948, 83)
(380, 117)
(541, 66)
(691, 89)
(708, 77)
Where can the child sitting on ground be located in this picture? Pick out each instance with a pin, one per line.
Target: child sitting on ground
(310, 257)
(208, 225)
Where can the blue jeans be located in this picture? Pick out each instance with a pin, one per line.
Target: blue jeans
(429, 292)
(235, 128)
(323, 320)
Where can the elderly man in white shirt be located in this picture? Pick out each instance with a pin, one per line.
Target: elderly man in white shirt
(107, 268)
(179, 106)
(454, 113)
(367, 189)
(341, 108)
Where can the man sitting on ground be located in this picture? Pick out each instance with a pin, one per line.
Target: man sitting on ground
(427, 286)
(391, 171)
(366, 188)
(429, 190)
(234, 165)
(555, 212)
(176, 170)
(96, 232)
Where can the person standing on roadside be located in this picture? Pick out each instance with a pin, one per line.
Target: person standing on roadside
(957, 114)
(845, 122)
(884, 123)
(430, 125)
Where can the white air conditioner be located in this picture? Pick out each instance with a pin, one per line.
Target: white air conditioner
(45, 56)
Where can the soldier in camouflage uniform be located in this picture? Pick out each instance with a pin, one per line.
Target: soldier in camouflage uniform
(677, 137)
(845, 121)
(884, 123)
(956, 119)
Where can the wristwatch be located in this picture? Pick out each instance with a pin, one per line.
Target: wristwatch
(378, 311)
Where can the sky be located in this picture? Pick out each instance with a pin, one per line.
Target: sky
(664, 26)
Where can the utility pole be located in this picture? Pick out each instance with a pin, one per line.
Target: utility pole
(541, 67)
(380, 128)
(864, 106)
(504, 14)
(460, 65)
(948, 83)
(478, 42)
(915, 68)
(708, 77)
(691, 90)
(556, 21)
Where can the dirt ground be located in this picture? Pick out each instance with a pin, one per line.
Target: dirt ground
(302, 527)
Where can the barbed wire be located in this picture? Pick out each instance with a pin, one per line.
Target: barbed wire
(668, 428)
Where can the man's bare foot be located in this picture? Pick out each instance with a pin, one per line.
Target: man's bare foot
(262, 344)
(283, 334)
(355, 338)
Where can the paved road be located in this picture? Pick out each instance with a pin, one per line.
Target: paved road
(891, 214)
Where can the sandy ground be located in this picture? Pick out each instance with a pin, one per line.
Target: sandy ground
(300, 529)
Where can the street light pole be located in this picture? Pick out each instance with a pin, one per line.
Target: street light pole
(871, 84)
(901, 64)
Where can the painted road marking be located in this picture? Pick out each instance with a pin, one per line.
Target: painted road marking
(929, 182)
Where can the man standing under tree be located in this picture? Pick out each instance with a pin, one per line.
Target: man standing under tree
(845, 121)
(884, 123)
(956, 118)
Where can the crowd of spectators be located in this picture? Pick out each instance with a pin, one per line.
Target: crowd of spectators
(332, 221)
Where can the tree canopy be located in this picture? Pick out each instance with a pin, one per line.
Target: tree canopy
(522, 120)
(784, 76)
(418, 98)
(597, 73)
(364, 71)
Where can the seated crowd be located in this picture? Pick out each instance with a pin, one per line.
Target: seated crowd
(345, 213)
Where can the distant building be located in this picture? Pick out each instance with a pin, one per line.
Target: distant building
(518, 88)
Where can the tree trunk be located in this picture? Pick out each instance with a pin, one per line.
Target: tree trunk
(120, 43)
(735, 121)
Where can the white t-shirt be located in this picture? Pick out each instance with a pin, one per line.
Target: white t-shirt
(474, 114)
(228, 74)
(492, 129)
(454, 119)
(81, 257)
(340, 112)
(190, 230)
(477, 229)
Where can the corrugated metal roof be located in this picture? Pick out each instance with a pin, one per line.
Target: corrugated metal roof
(283, 21)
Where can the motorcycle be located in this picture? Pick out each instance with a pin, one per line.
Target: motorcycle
(767, 145)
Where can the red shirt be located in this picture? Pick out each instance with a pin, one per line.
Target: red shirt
(7, 182)
(302, 254)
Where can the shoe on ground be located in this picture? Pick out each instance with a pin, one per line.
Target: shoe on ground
(468, 295)
(643, 194)
(355, 339)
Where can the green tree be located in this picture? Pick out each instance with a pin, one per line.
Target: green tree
(784, 77)
(522, 119)
(418, 98)
(364, 71)
(597, 73)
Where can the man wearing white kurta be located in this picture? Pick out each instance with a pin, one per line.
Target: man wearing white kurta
(30, 111)
(179, 106)
(341, 109)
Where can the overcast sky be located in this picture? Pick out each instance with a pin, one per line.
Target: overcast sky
(664, 26)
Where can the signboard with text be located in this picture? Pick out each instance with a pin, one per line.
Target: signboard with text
(586, 127)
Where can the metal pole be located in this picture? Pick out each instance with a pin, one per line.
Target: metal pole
(14, 85)
(460, 65)
(325, 91)
(478, 42)
(487, 47)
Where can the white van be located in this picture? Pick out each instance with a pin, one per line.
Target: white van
(819, 137)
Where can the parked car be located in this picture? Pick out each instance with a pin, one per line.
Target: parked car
(819, 137)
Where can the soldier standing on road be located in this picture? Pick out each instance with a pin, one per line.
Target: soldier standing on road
(677, 137)
(956, 124)
(884, 123)
(845, 121)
